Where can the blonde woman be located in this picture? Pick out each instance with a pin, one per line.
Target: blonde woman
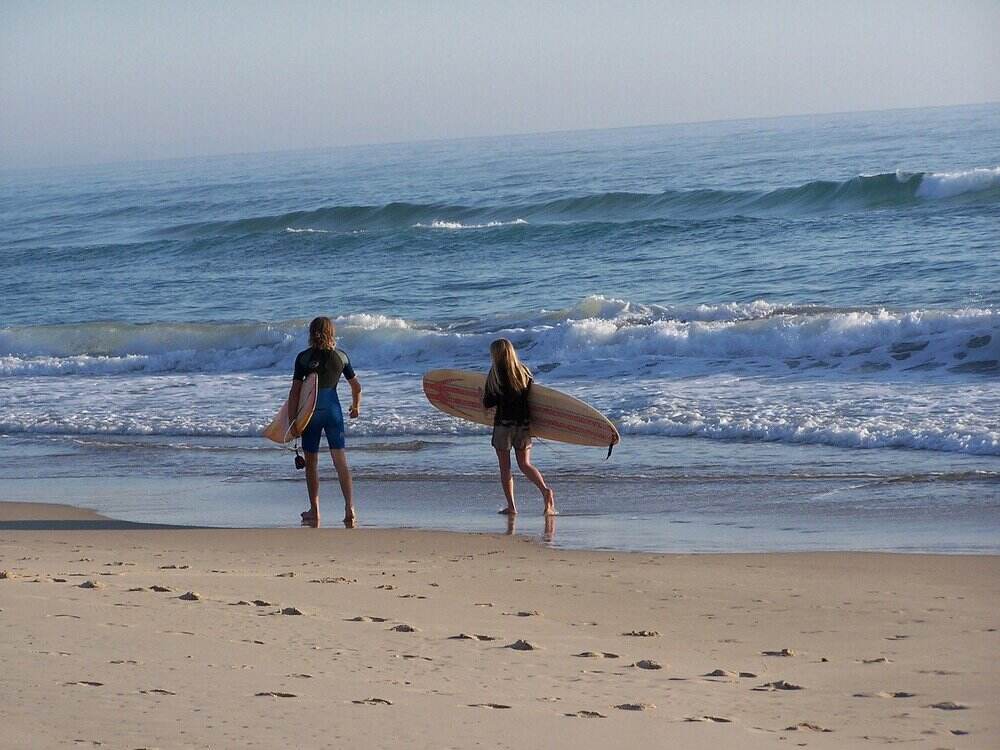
(507, 387)
(329, 363)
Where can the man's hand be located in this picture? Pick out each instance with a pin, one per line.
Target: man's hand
(355, 412)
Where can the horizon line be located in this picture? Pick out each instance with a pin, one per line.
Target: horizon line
(455, 139)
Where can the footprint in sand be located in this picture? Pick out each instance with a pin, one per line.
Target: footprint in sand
(190, 596)
(338, 579)
(948, 706)
(86, 683)
(805, 726)
(524, 613)
(89, 584)
(779, 685)
(291, 611)
(366, 618)
(374, 702)
(157, 691)
(642, 633)
(404, 628)
(877, 660)
(472, 637)
(160, 589)
(781, 652)
(635, 706)
(488, 705)
(174, 567)
(597, 655)
(727, 673)
(716, 719)
(648, 664)
(275, 694)
(897, 637)
(522, 645)
(302, 675)
(587, 715)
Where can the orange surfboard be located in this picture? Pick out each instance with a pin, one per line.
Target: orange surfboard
(280, 428)
(554, 415)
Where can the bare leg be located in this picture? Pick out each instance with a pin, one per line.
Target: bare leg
(346, 484)
(535, 477)
(312, 486)
(507, 481)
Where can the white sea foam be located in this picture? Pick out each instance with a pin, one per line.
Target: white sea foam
(952, 417)
(950, 184)
(852, 378)
(440, 224)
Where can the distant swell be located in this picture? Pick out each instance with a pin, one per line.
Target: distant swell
(865, 192)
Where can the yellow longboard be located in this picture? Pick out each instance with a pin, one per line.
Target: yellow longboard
(280, 429)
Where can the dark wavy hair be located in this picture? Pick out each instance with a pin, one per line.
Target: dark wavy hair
(322, 333)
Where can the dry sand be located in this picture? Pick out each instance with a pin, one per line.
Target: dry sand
(382, 638)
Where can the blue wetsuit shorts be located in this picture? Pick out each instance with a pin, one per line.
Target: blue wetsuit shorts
(329, 418)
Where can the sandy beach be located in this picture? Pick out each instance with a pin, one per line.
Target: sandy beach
(118, 635)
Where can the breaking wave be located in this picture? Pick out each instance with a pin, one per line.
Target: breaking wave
(597, 338)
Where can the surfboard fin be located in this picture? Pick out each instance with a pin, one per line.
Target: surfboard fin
(611, 447)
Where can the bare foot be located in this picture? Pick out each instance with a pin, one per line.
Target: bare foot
(507, 512)
(350, 520)
(309, 515)
(550, 502)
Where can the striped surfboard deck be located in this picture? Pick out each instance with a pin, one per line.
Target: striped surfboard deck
(554, 415)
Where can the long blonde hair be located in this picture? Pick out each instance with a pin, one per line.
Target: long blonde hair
(507, 368)
(322, 333)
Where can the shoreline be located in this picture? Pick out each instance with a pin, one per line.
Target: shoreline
(635, 649)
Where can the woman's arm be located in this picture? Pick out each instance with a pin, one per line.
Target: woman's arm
(355, 397)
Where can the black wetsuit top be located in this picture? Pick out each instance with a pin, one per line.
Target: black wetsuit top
(512, 405)
(328, 364)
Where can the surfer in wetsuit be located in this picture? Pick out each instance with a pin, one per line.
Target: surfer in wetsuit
(329, 363)
(507, 387)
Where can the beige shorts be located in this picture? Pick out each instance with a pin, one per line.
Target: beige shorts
(517, 436)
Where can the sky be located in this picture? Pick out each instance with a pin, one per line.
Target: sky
(89, 82)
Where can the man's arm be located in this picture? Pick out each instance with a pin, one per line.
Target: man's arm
(293, 404)
(355, 396)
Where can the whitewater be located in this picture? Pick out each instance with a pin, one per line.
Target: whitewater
(770, 310)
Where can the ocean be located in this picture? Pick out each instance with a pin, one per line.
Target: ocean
(795, 322)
